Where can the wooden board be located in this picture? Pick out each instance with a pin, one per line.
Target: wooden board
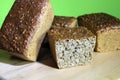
(106, 66)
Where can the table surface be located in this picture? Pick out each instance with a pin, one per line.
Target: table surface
(105, 66)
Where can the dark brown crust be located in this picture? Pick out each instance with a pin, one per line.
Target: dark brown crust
(99, 22)
(70, 33)
(62, 21)
(20, 24)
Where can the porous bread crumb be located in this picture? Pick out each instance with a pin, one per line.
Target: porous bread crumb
(72, 52)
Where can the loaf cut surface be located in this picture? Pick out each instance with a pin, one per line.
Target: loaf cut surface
(105, 27)
(71, 46)
(25, 27)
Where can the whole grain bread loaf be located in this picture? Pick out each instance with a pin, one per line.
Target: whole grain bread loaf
(64, 21)
(105, 27)
(25, 27)
(71, 46)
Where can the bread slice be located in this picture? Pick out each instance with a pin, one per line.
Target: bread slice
(105, 27)
(71, 46)
(25, 27)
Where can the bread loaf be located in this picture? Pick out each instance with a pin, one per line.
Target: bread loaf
(105, 27)
(71, 46)
(25, 27)
(64, 21)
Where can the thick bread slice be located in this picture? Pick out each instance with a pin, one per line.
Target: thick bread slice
(25, 27)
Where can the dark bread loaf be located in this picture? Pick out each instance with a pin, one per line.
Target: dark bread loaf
(105, 27)
(71, 46)
(64, 21)
(25, 27)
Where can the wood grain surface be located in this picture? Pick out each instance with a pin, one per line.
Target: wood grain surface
(105, 66)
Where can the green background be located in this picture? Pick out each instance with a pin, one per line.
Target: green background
(72, 7)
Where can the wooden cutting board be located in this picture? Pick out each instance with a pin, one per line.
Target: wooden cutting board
(105, 66)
